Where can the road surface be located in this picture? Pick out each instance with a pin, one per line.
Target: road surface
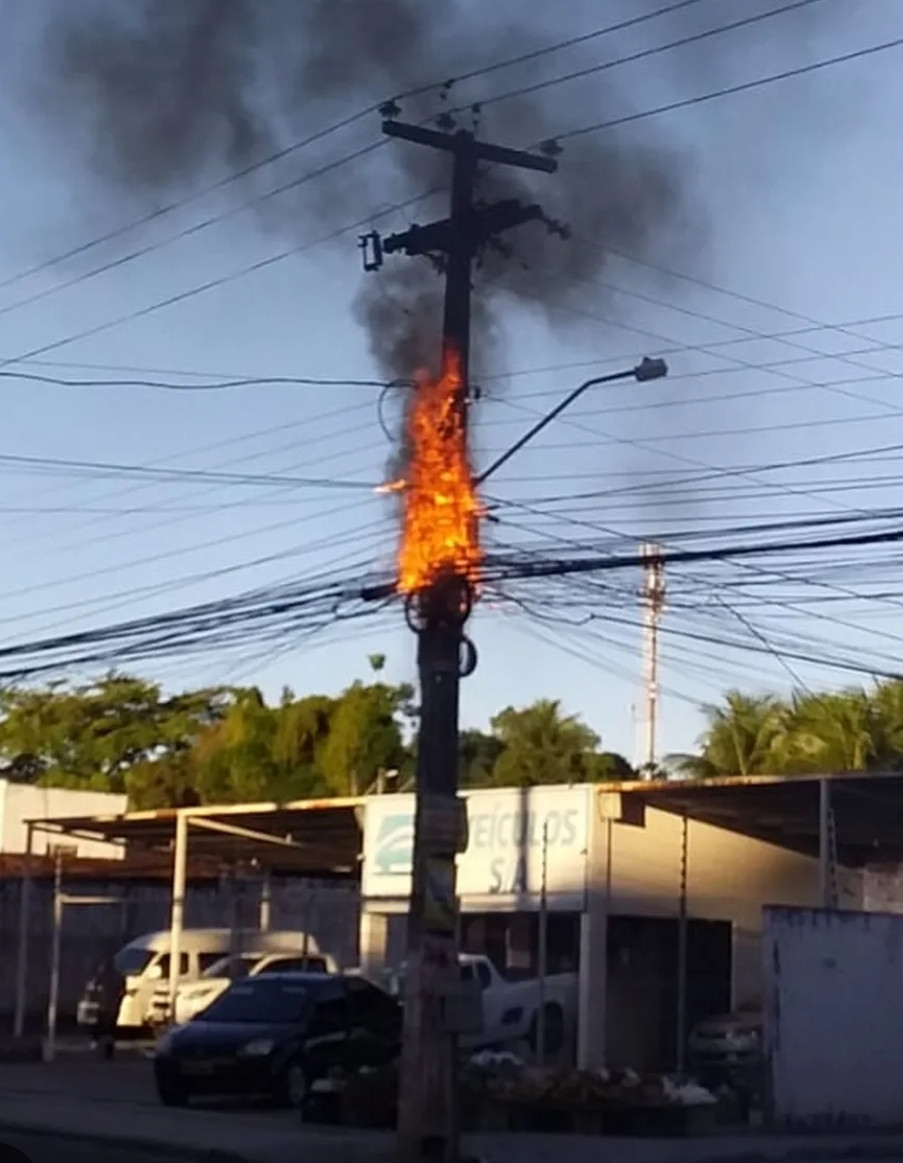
(53, 1149)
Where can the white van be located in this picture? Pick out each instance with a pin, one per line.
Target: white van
(145, 962)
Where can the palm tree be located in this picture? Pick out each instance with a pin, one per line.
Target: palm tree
(834, 732)
(887, 703)
(539, 745)
(745, 736)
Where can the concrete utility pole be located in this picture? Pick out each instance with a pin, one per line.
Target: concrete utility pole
(653, 597)
(428, 1123)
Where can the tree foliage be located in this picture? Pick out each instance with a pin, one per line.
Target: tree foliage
(539, 744)
(122, 734)
(95, 736)
(848, 730)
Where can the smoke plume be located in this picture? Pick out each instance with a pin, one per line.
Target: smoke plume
(173, 92)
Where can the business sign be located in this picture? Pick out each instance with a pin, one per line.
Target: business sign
(512, 832)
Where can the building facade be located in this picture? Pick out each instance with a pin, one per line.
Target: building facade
(21, 802)
(613, 875)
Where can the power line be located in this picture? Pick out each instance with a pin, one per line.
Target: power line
(732, 90)
(146, 471)
(563, 567)
(642, 54)
(223, 385)
(308, 423)
(282, 154)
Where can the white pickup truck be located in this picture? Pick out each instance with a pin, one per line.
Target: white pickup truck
(512, 1003)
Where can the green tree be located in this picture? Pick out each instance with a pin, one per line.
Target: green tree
(887, 703)
(93, 736)
(478, 754)
(746, 735)
(365, 736)
(542, 745)
(302, 728)
(838, 731)
(609, 767)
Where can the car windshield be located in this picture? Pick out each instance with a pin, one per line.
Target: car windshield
(132, 961)
(261, 999)
(231, 966)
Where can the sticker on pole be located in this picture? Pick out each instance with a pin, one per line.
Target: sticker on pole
(439, 905)
(443, 824)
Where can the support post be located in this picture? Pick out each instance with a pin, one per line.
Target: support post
(543, 958)
(265, 917)
(682, 926)
(24, 935)
(308, 919)
(177, 918)
(824, 843)
(56, 947)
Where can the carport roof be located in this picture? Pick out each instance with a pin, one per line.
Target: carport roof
(324, 837)
(308, 837)
(784, 810)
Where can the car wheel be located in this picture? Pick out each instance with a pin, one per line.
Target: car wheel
(172, 1093)
(292, 1089)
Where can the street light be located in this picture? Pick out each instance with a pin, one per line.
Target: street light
(647, 369)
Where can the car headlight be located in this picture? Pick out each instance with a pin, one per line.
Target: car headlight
(259, 1048)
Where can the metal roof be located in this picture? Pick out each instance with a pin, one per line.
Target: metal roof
(324, 837)
(784, 810)
(307, 837)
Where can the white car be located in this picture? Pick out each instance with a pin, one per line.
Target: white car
(193, 997)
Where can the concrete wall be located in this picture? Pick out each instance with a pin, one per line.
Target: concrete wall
(21, 802)
(729, 877)
(833, 1019)
(328, 911)
(882, 889)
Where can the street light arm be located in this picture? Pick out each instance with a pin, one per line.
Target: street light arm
(647, 369)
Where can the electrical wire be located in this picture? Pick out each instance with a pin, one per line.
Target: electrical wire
(733, 90)
(642, 54)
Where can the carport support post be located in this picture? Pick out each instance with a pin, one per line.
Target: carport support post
(179, 876)
(24, 933)
(682, 953)
(265, 903)
(824, 843)
(53, 1000)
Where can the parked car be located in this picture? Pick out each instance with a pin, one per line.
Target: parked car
(511, 1004)
(145, 964)
(728, 1044)
(194, 996)
(278, 1034)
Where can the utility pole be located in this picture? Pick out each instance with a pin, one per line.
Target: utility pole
(653, 598)
(427, 1120)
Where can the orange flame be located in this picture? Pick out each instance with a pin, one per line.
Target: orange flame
(440, 529)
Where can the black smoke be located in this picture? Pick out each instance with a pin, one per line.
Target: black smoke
(173, 92)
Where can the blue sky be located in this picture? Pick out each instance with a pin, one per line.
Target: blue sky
(794, 192)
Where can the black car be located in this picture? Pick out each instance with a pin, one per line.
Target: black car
(276, 1035)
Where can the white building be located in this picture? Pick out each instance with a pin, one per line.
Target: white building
(616, 870)
(21, 802)
(625, 866)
